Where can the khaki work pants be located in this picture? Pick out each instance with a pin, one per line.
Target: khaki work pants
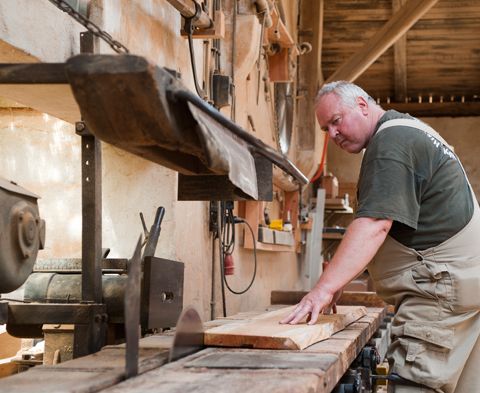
(467, 383)
(436, 294)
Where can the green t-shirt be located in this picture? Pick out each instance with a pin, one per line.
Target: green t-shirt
(409, 177)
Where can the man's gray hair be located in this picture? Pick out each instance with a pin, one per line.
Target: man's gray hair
(348, 92)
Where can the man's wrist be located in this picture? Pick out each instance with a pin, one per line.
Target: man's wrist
(324, 288)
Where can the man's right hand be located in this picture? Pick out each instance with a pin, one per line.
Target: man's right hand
(312, 304)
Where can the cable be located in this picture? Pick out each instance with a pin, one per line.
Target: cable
(240, 220)
(228, 224)
(188, 26)
(200, 92)
(319, 171)
(220, 257)
(212, 298)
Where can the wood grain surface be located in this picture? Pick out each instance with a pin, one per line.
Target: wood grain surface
(265, 331)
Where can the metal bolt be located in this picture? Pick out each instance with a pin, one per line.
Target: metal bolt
(79, 126)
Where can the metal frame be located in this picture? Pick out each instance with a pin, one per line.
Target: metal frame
(89, 316)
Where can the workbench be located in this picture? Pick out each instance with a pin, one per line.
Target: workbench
(317, 368)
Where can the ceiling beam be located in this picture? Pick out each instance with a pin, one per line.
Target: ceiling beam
(436, 109)
(398, 25)
(400, 59)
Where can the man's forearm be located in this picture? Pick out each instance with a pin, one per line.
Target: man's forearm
(362, 240)
(359, 245)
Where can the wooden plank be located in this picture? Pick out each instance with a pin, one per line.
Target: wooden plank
(55, 99)
(41, 86)
(112, 358)
(398, 25)
(9, 345)
(170, 380)
(33, 73)
(348, 346)
(43, 379)
(8, 367)
(278, 66)
(348, 298)
(345, 349)
(265, 331)
(236, 359)
(87, 374)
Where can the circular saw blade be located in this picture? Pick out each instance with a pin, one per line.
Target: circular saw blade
(188, 335)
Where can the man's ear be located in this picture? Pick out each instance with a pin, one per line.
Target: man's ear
(363, 105)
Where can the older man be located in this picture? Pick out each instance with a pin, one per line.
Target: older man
(417, 227)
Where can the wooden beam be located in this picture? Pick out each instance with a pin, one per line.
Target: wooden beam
(398, 25)
(41, 86)
(436, 109)
(310, 78)
(400, 59)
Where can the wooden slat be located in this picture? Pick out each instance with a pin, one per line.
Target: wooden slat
(264, 331)
(400, 60)
(315, 369)
(348, 298)
(175, 379)
(88, 374)
(385, 37)
(437, 109)
(348, 348)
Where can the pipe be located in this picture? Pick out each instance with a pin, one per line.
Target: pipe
(188, 9)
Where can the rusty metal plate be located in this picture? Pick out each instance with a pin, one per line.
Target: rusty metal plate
(162, 298)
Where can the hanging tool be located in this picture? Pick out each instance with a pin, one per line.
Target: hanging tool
(151, 237)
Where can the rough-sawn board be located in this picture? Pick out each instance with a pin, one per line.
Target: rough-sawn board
(265, 331)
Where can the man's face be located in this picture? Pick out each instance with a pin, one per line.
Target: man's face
(348, 127)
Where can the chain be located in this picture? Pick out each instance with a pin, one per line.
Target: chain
(90, 26)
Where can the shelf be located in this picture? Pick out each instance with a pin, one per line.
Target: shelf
(345, 210)
(252, 212)
(270, 247)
